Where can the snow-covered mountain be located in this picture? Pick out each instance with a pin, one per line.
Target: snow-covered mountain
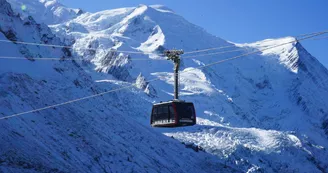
(44, 11)
(261, 113)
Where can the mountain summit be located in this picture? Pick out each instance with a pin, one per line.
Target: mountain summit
(45, 11)
(265, 112)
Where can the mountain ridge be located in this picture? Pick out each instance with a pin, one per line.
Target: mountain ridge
(45, 11)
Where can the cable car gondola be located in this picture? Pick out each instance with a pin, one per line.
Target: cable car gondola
(173, 113)
(176, 112)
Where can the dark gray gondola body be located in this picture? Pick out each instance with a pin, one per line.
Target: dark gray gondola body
(173, 114)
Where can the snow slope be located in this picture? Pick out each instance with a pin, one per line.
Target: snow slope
(77, 137)
(261, 113)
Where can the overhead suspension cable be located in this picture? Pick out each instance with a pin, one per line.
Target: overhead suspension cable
(320, 38)
(146, 59)
(309, 34)
(67, 59)
(133, 52)
(264, 49)
(237, 50)
(130, 86)
(205, 50)
(230, 46)
(70, 47)
(215, 53)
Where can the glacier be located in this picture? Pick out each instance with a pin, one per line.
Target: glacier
(261, 113)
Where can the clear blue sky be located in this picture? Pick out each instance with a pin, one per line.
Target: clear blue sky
(241, 20)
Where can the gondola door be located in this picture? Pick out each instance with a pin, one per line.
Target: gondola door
(172, 115)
